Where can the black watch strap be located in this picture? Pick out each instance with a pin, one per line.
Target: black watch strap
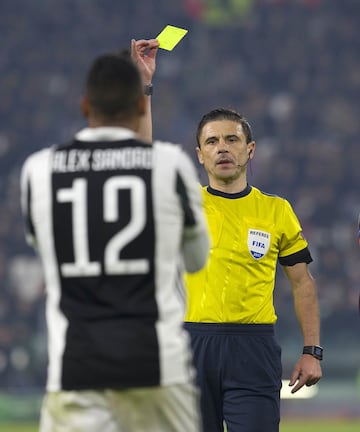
(148, 89)
(314, 350)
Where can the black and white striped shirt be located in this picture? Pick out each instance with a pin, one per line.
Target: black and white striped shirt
(113, 220)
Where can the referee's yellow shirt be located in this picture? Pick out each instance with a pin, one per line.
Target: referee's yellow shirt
(249, 232)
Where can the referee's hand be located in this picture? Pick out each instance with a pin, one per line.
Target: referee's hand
(307, 371)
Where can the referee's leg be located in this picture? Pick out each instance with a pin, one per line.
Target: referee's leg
(251, 413)
(252, 383)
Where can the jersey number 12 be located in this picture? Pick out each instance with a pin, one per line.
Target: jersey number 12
(113, 264)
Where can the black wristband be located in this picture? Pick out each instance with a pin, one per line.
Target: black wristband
(148, 89)
(314, 350)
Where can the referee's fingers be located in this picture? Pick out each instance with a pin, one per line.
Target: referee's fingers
(300, 383)
(297, 380)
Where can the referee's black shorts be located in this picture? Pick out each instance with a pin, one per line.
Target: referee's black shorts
(239, 374)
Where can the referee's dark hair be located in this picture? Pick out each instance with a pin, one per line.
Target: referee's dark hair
(113, 86)
(224, 114)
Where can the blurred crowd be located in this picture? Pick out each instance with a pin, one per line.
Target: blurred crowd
(292, 67)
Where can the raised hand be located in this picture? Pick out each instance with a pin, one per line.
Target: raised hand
(143, 53)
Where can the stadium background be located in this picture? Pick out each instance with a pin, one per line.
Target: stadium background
(292, 67)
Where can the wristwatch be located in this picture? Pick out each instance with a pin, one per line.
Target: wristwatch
(314, 350)
(148, 89)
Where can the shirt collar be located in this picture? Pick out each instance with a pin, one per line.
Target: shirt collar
(105, 133)
(235, 195)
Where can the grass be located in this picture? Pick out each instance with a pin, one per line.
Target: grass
(286, 426)
(320, 426)
(19, 427)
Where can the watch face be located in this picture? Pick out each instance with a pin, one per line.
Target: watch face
(318, 352)
(148, 90)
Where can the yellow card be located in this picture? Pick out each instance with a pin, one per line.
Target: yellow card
(170, 37)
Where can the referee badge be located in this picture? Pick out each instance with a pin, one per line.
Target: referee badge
(258, 242)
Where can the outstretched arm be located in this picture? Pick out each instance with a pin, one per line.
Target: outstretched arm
(143, 53)
(307, 370)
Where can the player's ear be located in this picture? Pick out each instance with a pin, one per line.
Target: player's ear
(199, 155)
(84, 107)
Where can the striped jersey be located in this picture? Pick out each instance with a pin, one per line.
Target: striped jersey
(114, 221)
(250, 232)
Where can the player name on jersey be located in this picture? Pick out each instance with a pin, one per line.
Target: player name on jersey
(77, 160)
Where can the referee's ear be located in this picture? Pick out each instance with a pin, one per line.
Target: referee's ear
(84, 107)
(199, 155)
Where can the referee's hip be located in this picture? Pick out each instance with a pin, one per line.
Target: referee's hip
(229, 328)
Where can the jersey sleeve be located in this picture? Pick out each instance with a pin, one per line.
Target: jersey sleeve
(25, 199)
(292, 240)
(195, 245)
(34, 172)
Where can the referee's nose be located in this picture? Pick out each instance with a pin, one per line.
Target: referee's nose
(222, 145)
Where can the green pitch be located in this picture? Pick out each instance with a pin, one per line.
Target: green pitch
(320, 426)
(18, 427)
(286, 426)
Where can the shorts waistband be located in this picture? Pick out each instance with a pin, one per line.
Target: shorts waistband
(226, 328)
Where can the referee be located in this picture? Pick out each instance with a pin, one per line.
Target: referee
(230, 314)
(114, 221)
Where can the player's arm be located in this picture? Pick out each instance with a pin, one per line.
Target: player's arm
(307, 371)
(196, 241)
(143, 53)
(25, 199)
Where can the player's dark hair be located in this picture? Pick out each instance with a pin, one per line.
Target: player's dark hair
(224, 114)
(114, 85)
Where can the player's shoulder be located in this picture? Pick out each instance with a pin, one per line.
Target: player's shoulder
(172, 152)
(167, 146)
(38, 158)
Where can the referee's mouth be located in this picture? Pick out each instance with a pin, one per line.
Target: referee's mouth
(225, 161)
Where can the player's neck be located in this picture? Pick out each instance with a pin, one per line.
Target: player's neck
(132, 124)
